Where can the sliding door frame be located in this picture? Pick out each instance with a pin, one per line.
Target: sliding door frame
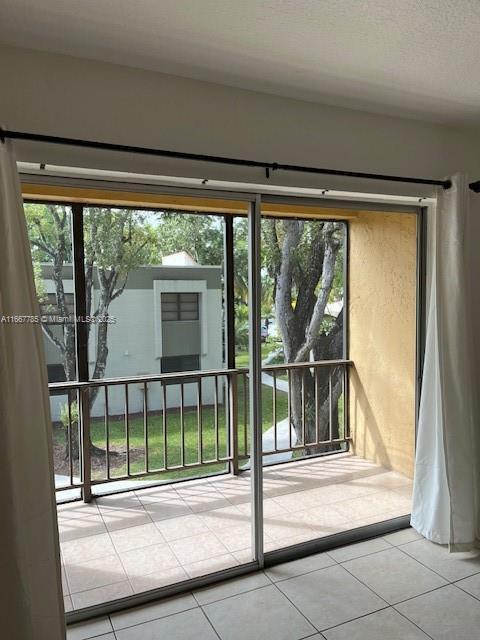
(303, 549)
(255, 378)
(254, 202)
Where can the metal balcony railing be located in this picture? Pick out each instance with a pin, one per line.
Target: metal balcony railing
(164, 426)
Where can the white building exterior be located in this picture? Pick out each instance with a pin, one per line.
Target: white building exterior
(169, 318)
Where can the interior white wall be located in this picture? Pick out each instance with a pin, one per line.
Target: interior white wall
(62, 95)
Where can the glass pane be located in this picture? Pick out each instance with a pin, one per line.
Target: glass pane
(49, 229)
(338, 444)
(155, 291)
(180, 363)
(50, 234)
(303, 284)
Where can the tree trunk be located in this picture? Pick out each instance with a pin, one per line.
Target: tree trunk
(74, 448)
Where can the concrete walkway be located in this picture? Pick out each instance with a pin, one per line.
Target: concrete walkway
(283, 439)
(282, 385)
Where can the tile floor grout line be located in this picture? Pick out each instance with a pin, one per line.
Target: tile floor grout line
(135, 548)
(94, 559)
(426, 566)
(364, 555)
(233, 595)
(312, 635)
(138, 624)
(402, 544)
(227, 552)
(117, 508)
(366, 585)
(109, 531)
(455, 584)
(211, 624)
(109, 584)
(363, 615)
(267, 587)
(303, 573)
(97, 635)
(401, 601)
(422, 594)
(64, 569)
(329, 504)
(295, 607)
(147, 574)
(414, 623)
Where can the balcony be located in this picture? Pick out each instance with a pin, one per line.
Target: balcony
(168, 524)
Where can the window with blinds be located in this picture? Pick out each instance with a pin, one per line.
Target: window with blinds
(179, 306)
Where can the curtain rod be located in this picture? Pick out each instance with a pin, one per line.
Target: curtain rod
(267, 166)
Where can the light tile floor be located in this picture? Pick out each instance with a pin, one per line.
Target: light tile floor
(399, 587)
(131, 542)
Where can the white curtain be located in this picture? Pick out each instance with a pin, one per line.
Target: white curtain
(446, 484)
(31, 591)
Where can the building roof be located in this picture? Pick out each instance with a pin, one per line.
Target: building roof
(180, 259)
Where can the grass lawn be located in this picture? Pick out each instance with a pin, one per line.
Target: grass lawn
(156, 454)
(241, 357)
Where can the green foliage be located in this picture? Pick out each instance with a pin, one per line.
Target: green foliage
(39, 283)
(240, 248)
(117, 239)
(48, 226)
(73, 414)
(241, 336)
(200, 235)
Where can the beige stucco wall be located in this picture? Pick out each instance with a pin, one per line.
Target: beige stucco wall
(382, 338)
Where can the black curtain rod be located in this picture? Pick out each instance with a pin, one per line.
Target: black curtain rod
(267, 166)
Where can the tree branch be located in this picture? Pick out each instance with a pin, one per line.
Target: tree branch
(120, 290)
(44, 247)
(55, 341)
(328, 274)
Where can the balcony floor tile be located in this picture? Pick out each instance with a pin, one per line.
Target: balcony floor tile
(157, 536)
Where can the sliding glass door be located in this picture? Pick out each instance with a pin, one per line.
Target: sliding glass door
(228, 378)
(305, 373)
(150, 417)
(338, 335)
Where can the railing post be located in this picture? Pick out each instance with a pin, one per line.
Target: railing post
(233, 422)
(346, 403)
(84, 416)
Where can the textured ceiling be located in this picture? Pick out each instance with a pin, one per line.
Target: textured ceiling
(417, 58)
